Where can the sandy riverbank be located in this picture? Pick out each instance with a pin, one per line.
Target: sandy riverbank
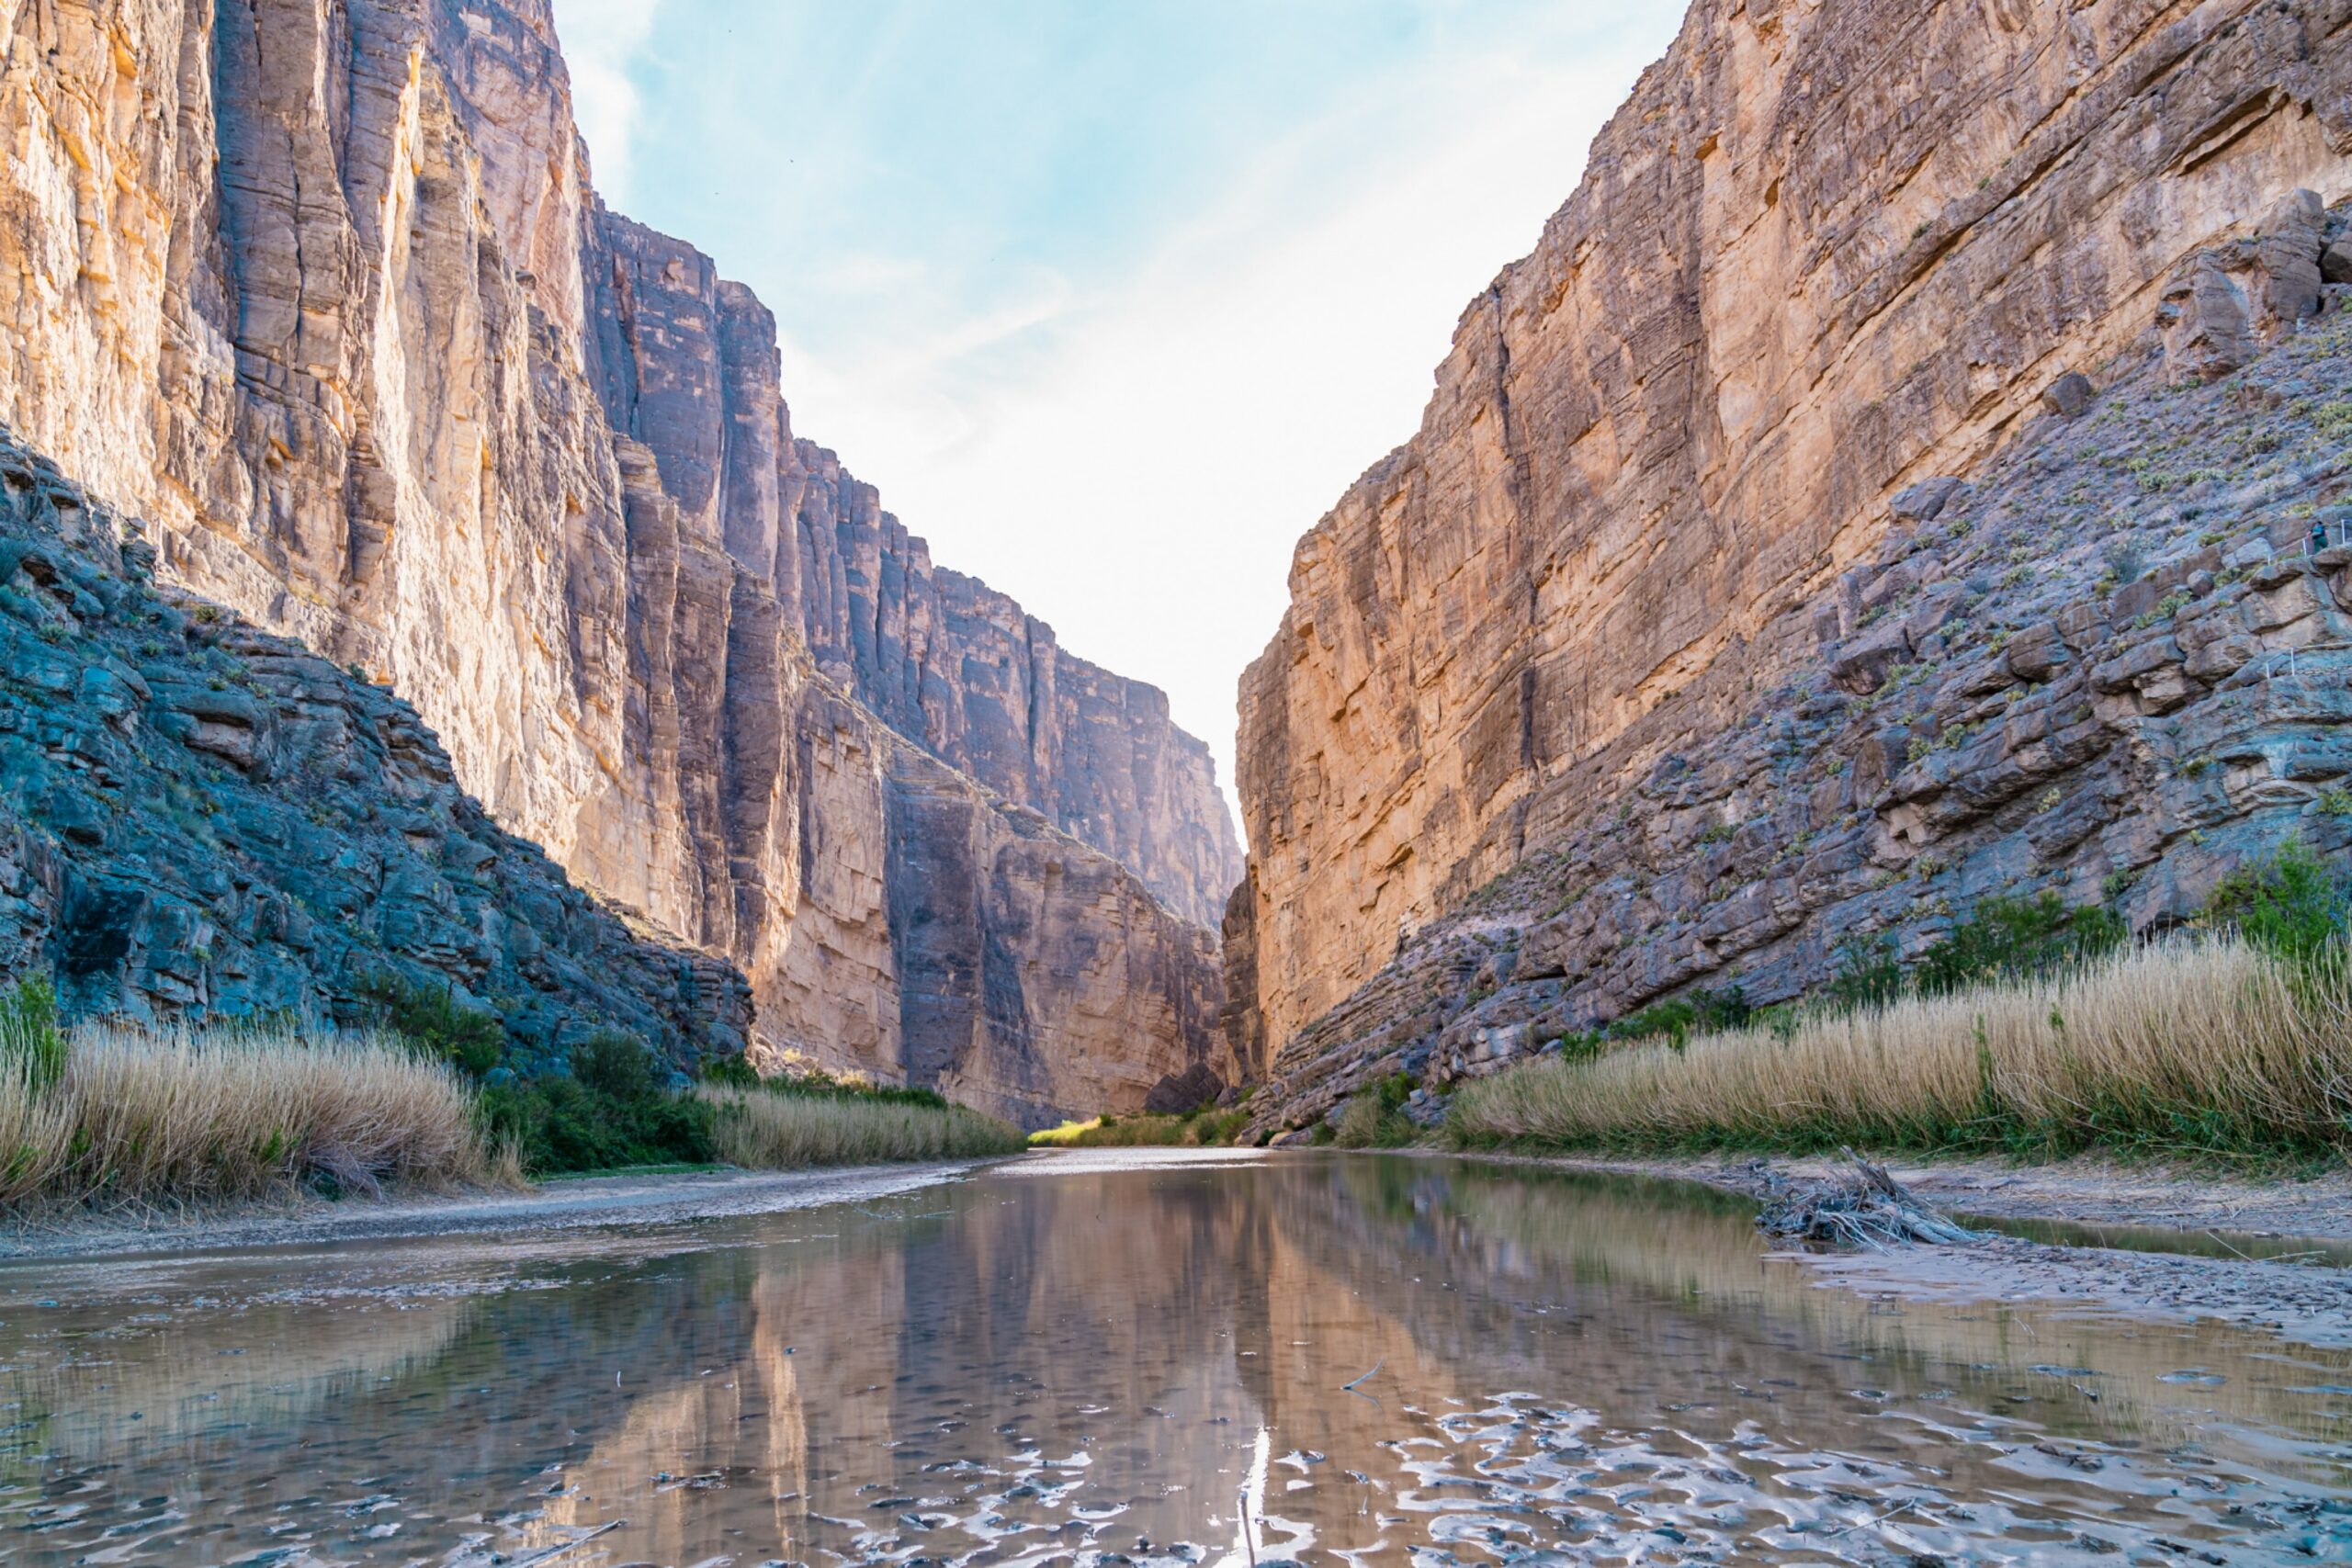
(638, 1200)
(2081, 1192)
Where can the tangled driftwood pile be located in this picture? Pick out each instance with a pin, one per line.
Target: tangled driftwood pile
(1866, 1209)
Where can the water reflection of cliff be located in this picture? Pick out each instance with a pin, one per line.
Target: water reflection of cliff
(1153, 1322)
(881, 1366)
(1688, 1264)
(1101, 1360)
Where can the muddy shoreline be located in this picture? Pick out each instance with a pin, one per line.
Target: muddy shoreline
(2305, 1296)
(2302, 1297)
(2081, 1191)
(640, 1199)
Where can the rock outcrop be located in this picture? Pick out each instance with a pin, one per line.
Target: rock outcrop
(323, 295)
(197, 818)
(1673, 651)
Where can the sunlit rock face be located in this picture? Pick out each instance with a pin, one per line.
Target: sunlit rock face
(1827, 252)
(687, 365)
(321, 289)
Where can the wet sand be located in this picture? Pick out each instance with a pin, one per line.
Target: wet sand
(2080, 1192)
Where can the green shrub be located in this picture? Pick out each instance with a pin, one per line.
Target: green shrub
(560, 1126)
(434, 1022)
(1374, 1119)
(1703, 1011)
(31, 1046)
(1218, 1127)
(729, 1071)
(2011, 938)
(2291, 906)
(1870, 972)
(614, 1065)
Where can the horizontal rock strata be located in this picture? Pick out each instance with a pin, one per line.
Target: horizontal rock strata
(2113, 663)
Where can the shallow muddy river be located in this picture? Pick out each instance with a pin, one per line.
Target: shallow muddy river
(1138, 1358)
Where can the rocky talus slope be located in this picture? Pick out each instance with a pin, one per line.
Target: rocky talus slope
(198, 817)
(325, 295)
(1672, 653)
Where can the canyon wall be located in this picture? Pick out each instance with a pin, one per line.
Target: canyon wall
(686, 363)
(1827, 251)
(198, 818)
(320, 290)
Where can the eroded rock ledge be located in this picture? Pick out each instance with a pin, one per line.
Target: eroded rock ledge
(198, 818)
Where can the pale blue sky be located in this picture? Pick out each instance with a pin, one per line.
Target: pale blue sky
(1112, 299)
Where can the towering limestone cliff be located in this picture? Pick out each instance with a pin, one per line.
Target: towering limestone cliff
(1674, 617)
(321, 290)
(687, 364)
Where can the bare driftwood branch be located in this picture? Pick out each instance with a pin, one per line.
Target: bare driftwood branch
(1867, 1208)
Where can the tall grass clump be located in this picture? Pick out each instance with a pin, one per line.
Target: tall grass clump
(779, 1126)
(1376, 1118)
(33, 1046)
(134, 1116)
(1203, 1127)
(2203, 1046)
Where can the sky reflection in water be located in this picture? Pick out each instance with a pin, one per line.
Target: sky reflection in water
(1371, 1359)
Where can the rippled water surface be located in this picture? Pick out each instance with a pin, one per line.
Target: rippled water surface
(1320, 1358)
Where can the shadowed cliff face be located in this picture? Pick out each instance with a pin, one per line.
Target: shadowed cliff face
(198, 818)
(1825, 253)
(324, 292)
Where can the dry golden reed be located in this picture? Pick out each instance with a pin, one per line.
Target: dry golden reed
(2191, 1046)
(771, 1131)
(142, 1116)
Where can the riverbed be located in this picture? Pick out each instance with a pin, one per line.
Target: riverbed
(1137, 1356)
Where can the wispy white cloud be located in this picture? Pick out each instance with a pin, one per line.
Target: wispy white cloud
(1121, 387)
(1140, 482)
(602, 39)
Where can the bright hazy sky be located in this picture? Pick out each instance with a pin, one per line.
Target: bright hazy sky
(1111, 301)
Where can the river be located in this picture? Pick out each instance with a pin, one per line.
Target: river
(1156, 1359)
